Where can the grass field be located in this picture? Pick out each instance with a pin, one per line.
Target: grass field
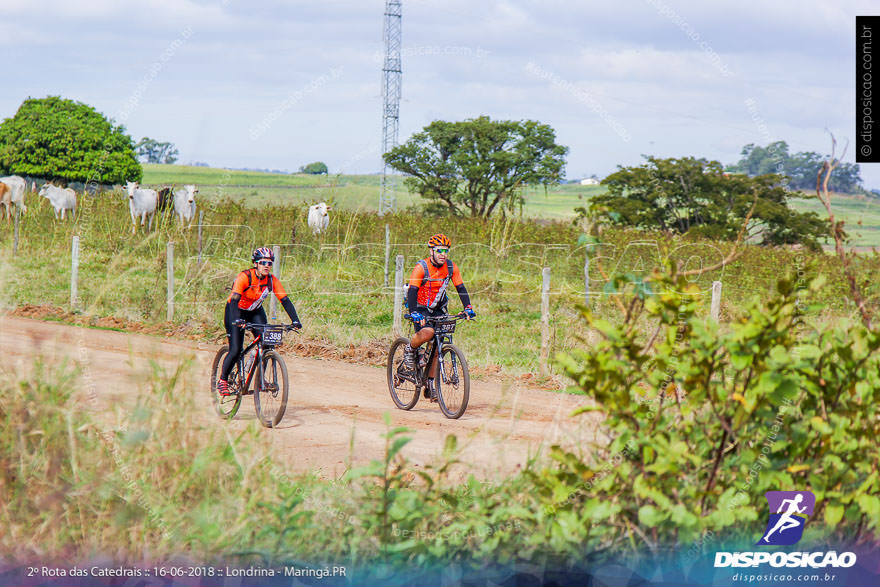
(361, 193)
(351, 192)
(861, 215)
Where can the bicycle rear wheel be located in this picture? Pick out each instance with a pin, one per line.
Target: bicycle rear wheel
(270, 393)
(402, 387)
(453, 383)
(226, 405)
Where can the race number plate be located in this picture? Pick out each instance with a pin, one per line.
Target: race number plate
(445, 328)
(272, 336)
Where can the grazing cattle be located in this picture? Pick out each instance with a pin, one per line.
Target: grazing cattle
(62, 199)
(165, 195)
(6, 199)
(16, 185)
(318, 218)
(185, 203)
(141, 202)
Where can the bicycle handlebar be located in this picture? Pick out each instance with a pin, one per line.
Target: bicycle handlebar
(445, 318)
(257, 326)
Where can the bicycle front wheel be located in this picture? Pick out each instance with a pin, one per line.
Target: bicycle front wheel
(270, 393)
(226, 405)
(453, 383)
(401, 384)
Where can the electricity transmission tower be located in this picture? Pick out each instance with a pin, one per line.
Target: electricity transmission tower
(391, 76)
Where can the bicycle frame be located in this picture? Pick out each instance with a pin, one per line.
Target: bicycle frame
(437, 342)
(257, 342)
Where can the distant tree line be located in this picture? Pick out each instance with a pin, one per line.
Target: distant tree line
(800, 169)
(152, 151)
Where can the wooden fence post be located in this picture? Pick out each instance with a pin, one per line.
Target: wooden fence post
(716, 300)
(587, 281)
(15, 237)
(169, 316)
(387, 251)
(276, 271)
(201, 218)
(74, 272)
(398, 295)
(545, 318)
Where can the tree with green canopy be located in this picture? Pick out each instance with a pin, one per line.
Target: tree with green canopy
(62, 139)
(316, 168)
(697, 197)
(479, 165)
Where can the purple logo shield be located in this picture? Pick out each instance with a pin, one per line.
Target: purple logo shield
(788, 514)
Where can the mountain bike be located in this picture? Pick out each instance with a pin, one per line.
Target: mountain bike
(452, 386)
(258, 363)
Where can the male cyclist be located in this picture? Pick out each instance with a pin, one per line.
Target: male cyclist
(250, 288)
(426, 297)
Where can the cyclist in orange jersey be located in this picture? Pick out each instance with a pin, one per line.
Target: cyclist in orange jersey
(426, 297)
(250, 288)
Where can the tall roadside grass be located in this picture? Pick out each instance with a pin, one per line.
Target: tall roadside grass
(336, 280)
(138, 484)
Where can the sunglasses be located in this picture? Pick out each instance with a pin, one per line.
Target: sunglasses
(441, 251)
(265, 263)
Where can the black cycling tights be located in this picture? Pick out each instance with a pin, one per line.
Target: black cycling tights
(235, 335)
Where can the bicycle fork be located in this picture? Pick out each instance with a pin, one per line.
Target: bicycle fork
(442, 371)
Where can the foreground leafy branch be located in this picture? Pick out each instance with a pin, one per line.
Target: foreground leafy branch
(770, 403)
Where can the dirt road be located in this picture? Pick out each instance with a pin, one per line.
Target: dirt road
(329, 401)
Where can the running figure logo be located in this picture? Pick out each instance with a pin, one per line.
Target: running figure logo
(788, 514)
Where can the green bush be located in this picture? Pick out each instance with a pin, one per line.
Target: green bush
(706, 422)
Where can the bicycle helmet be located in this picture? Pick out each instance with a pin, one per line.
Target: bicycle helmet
(439, 240)
(263, 253)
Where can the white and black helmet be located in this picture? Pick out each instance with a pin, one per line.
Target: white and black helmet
(263, 253)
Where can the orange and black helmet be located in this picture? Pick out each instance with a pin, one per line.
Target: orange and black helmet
(439, 240)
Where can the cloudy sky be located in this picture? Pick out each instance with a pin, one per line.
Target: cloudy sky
(277, 84)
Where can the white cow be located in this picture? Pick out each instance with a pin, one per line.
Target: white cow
(141, 202)
(318, 218)
(16, 186)
(62, 199)
(185, 203)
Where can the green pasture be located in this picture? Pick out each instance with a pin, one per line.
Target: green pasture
(350, 192)
(361, 193)
(861, 215)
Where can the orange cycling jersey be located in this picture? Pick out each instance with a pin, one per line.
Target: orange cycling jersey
(434, 287)
(253, 290)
